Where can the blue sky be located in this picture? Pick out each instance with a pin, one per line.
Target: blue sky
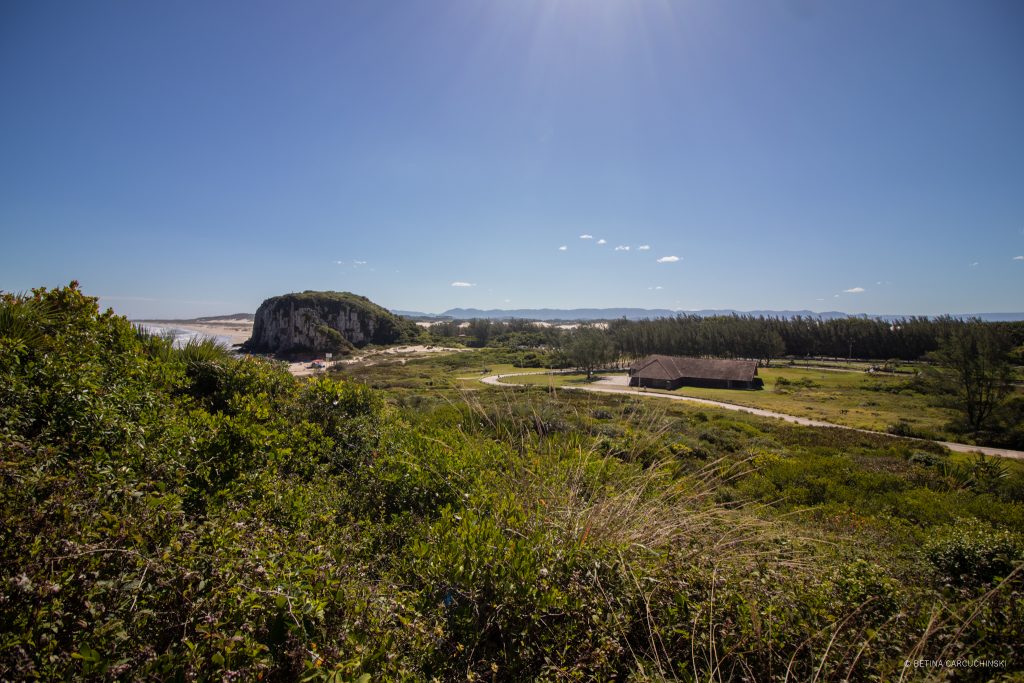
(193, 158)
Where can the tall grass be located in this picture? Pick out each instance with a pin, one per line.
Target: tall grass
(698, 589)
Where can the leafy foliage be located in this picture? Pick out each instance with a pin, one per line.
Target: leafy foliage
(969, 553)
(589, 348)
(974, 372)
(189, 514)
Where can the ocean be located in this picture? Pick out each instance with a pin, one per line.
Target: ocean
(183, 335)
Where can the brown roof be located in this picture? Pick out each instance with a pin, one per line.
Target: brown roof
(675, 367)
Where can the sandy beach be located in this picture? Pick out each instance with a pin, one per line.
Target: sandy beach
(236, 330)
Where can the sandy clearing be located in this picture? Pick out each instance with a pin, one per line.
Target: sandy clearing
(403, 353)
(418, 348)
(569, 326)
(617, 384)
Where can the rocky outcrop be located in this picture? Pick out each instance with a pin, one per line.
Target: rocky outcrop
(317, 322)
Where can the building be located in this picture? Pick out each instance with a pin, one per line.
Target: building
(672, 372)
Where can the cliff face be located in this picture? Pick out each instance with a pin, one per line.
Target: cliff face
(323, 321)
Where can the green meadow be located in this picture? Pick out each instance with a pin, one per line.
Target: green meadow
(878, 401)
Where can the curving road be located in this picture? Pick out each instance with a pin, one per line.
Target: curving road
(610, 386)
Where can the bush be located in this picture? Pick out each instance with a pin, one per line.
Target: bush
(904, 427)
(530, 359)
(970, 553)
(783, 384)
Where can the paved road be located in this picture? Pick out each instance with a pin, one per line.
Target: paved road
(616, 385)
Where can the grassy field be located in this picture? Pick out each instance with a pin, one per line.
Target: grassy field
(875, 401)
(436, 373)
(854, 399)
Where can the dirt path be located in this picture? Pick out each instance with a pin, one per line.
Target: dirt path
(616, 385)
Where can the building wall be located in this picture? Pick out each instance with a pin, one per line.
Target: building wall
(654, 383)
(671, 385)
(714, 383)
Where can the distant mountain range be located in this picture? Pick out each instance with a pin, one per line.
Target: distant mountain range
(547, 314)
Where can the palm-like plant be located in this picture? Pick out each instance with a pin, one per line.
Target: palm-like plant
(27, 321)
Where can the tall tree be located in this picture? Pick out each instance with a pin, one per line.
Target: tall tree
(590, 348)
(975, 369)
(769, 345)
(480, 330)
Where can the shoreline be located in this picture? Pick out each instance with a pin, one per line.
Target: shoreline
(232, 331)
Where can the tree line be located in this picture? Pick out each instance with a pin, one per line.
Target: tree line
(766, 338)
(740, 336)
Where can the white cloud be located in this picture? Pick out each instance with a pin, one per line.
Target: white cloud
(622, 247)
(602, 241)
(563, 248)
(668, 259)
(656, 288)
(359, 263)
(463, 284)
(644, 247)
(835, 296)
(819, 299)
(585, 236)
(974, 264)
(1018, 258)
(854, 290)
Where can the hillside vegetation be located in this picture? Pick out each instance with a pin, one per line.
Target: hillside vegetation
(186, 514)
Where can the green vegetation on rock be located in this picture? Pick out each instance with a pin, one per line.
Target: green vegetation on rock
(317, 322)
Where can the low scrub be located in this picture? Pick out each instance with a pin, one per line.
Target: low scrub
(190, 515)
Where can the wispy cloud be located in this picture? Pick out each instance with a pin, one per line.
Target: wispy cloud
(974, 264)
(668, 259)
(585, 236)
(854, 290)
(622, 247)
(563, 248)
(1018, 258)
(655, 288)
(602, 241)
(644, 247)
(463, 284)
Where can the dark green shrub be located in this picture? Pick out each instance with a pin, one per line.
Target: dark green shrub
(928, 459)
(970, 553)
